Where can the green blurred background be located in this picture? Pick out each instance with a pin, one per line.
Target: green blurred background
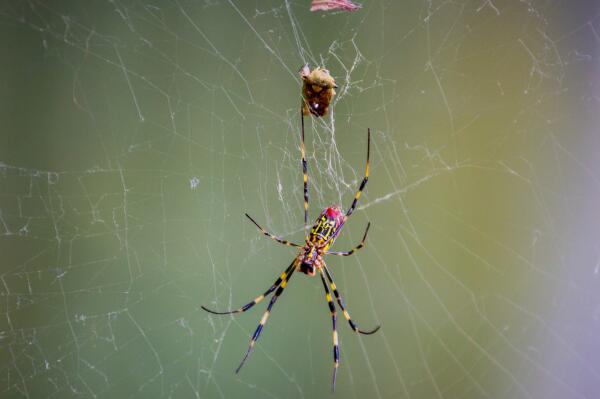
(135, 134)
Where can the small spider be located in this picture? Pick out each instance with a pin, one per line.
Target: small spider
(310, 259)
(318, 90)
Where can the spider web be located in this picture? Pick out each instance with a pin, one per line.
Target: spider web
(137, 133)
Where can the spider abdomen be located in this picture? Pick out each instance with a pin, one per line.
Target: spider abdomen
(326, 227)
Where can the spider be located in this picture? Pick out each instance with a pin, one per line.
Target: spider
(310, 260)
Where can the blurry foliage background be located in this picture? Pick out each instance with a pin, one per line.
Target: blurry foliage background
(137, 133)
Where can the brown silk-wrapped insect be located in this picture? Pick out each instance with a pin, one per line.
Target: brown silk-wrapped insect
(318, 90)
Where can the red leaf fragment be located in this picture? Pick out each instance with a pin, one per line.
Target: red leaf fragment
(328, 5)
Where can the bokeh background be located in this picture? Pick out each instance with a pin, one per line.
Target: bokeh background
(135, 134)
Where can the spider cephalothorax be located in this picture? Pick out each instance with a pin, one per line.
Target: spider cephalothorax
(310, 260)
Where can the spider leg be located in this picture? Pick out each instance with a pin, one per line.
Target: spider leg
(340, 302)
(265, 316)
(304, 171)
(284, 276)
(356, 248)
(336, 349)
(364, 180)
(271, 236)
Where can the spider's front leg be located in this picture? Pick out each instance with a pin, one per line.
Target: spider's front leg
(265, 316)
(336, 348)
(283, 277)
(340, 302)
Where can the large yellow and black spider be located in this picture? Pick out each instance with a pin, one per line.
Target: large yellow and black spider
(310, 258)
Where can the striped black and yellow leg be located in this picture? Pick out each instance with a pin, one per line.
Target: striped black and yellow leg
(284, 276)
(336, 349)
(356, 248)
(271, 236)
(265, 316)
(364, 180)
(340, 302)
(304, 171)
